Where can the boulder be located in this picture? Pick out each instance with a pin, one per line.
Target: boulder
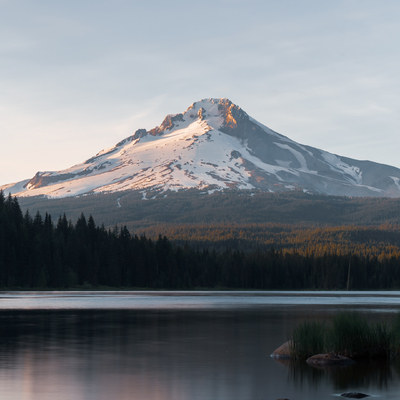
(282, 351)
(329, 359)
(355, 395)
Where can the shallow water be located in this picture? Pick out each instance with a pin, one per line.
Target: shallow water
(176, 345)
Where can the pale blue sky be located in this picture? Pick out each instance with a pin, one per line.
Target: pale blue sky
(79, 76)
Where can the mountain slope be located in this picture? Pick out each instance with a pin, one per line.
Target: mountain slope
(214, 144)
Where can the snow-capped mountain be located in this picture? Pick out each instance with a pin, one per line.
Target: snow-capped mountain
(214, 144)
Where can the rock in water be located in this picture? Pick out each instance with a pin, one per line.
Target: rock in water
(354, 395)
(330, 359)
(282, 351)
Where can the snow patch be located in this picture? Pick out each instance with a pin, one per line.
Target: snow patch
(300, 158)
(350, 172)
(285, 164)
(396, 181)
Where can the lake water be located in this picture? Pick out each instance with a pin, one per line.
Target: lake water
(177, 346)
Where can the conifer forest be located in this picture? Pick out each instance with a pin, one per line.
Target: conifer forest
(39, 253)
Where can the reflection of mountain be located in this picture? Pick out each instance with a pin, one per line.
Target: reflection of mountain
(214, 143)
(376, 373)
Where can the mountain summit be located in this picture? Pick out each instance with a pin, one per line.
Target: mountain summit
(214, 144)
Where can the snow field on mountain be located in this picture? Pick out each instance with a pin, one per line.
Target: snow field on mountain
(396, 181)
(351, 173)
(300, 158)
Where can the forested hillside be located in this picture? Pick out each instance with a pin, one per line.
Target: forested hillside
(305, 239)
(138, 210)
(37, 253)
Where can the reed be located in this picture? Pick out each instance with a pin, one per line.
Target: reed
(383, 343)
(307, 339)
(395, 346)
(348, 334)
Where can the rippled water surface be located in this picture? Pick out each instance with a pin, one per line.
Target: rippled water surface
(177, 345)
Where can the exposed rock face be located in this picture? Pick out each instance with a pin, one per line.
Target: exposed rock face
(201, 114)
(168, 123)
(282, 351)
(44, 179)
(235, 119)
(139, 133)
(330, 359)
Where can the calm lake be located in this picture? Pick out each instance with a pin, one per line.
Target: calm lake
(177, 346)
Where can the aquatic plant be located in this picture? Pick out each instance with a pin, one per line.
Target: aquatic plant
(307, 339)
(348, 334)
(395, 329)
(383, 340)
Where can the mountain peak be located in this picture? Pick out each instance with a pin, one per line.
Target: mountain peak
(214, 144)
(218, 113)
(203, 110)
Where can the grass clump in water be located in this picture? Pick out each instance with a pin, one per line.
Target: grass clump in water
(395, 346)
(307, 339)
(349, 334)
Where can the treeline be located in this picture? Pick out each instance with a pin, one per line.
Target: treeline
(368, 241)
(228, 207)
(37, 253)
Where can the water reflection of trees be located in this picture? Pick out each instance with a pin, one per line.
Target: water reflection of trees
(378, 373)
